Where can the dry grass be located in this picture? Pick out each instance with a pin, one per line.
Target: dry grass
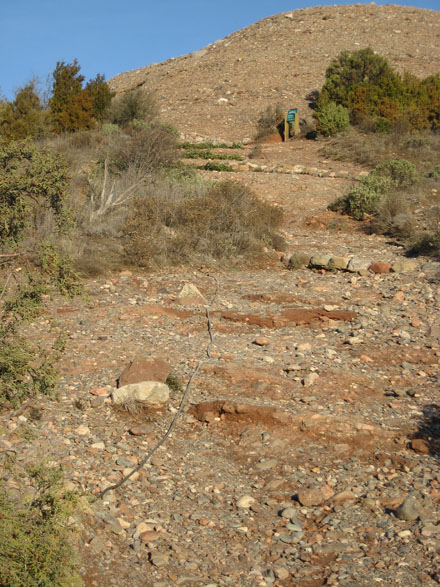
(371, 149)
(223, 221)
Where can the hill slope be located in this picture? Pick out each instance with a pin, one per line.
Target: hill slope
(221, 89)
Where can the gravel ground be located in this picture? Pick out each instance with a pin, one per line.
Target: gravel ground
(295, 460)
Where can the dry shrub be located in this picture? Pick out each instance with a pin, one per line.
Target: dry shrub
(135, 105)
(269, 122)
(222, 221)
(371, 149)
(394, 216)
(152, 146)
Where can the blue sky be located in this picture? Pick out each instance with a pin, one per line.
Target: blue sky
(113, 36)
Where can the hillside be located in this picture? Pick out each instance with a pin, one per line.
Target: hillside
(303, 383)
(281, 59)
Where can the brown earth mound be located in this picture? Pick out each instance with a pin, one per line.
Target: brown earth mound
(220, 90)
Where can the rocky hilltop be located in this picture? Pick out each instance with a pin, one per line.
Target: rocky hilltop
(221, 89)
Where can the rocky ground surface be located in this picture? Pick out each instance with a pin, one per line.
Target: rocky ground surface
(307, 452)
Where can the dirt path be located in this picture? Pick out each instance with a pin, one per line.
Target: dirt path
(295, 450)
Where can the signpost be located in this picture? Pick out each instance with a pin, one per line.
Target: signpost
(291, 117)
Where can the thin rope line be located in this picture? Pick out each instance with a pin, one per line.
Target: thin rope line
(181, 405)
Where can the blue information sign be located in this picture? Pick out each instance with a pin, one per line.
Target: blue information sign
(291, 114)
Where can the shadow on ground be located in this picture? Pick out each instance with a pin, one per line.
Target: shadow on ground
(429, 429)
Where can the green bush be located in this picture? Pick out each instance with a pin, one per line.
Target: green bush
(365, 198)
(400, 172)
(435, 173)
(35, 541)
(377, 97)
(332, 119)
(100, 95)
(23, 117)
(33, 183)
(208, 154)
(213, 166)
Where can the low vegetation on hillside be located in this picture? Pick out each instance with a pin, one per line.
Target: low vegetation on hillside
(390, 122)
(90, 182)
(376, 97)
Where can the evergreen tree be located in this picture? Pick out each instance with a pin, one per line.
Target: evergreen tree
(22, 117)
(71, 106)
(101, 96)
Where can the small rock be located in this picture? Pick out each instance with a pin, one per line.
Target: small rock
(281, 573)
(299, 260)
(144, 369)
(344, 496)
(404, 266)
(150, 393)
(420, 445)
(143, 527)
(409, 510)
(98, 445)
(149, 536)
(380, 268)
(262, 341)
(98, 543)
(245, 501)
(338, 263)
(315, 496)
(141, 429)
(159, 560)
(266, 464)
(288, 513)
(356, 265)
(99, 391)
(82, 430)
(319, 261)
(310, 379)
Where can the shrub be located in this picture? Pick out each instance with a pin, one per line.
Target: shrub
(100, 95)
(365, 198)
(150, 148)
(33, 182)
(23, 117)
(428, 244)
(362, 199)
(435, 173)
(35, 540)
(331, 119)
(222, 221)
(25, 370)
(58, 267)
(269, 122)
(351, 70)
(378, 97)
(213, 166)
(135, 105)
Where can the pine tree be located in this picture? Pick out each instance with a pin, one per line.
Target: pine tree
(71, 106)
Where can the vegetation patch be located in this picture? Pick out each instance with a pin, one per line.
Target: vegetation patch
(209, 145)
(376, 97)
(223, 220)
(364, 199)
(36, 546)
(213, 166)
(206, 154)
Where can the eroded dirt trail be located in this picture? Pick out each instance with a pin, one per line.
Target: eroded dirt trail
(296, 446)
